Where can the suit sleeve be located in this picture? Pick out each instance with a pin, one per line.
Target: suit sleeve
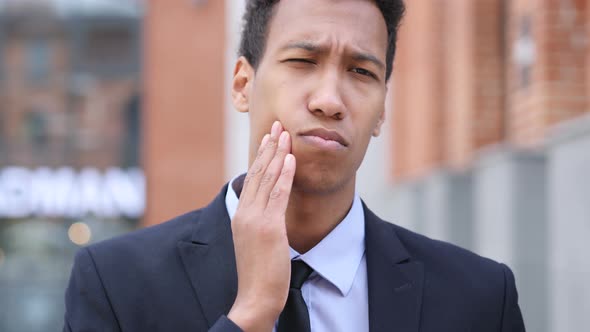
(87, 305)
(225, 324)
(511, 317)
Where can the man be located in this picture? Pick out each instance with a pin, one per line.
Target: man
(290, 246)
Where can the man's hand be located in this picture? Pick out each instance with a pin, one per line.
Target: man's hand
(260, 235)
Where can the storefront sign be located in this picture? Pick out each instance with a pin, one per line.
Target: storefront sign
(68, 193)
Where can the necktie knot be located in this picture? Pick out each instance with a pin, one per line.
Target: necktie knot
(299, 273)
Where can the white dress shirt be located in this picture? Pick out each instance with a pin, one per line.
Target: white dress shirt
(336, 293)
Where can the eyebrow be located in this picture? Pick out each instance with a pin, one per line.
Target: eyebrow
(358, 56)
(314, 48)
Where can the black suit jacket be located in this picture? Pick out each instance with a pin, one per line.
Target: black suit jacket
(181, 276)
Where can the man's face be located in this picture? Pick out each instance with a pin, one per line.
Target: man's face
(322, 75)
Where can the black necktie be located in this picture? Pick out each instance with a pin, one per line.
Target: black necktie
(295, 317)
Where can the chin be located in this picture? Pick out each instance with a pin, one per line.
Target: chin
(319, 181)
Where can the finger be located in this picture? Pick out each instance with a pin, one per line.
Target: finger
(245, 183)
(270, 176)
(279, 196)
(263, 143)
(263, 158)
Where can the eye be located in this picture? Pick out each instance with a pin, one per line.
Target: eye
(364, 72)
(301, 60)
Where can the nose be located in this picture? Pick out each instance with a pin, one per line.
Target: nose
(326, 99)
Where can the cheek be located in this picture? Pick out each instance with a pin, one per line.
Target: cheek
(276, 100)
(367, 114)
(262, 110)
(364, 122)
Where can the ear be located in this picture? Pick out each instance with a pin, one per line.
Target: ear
(380, 121)
(241, 84)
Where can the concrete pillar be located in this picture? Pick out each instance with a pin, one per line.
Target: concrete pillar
(569, 226)
(511, 224)
(406, 206)
(449, 208)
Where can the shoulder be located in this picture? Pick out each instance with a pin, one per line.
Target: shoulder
(144, 244)
(450, 268)
(445, 256)
(478, 285)
(440, 252)
(475, 292)
(434, 254)
(453, 269)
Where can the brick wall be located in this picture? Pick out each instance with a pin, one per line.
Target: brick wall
(449, 95)
(474, 78)
(418, 90)
(183, 128)
(490, 57)
(556, 90)
(471, 74)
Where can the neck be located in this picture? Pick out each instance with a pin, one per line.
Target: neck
(310, 217)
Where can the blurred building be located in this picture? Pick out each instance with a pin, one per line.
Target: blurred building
(69, 146)
(491, 142)
(59, 75)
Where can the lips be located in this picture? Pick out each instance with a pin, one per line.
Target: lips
(327, 135)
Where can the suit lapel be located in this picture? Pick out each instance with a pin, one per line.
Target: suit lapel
(395, 279)
(210, 262)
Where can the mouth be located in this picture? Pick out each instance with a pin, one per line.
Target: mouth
(324, 138)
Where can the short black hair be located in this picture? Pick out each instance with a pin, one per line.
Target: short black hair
(259, 12)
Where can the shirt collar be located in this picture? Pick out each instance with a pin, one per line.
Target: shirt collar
(337, 256)
(231, 199)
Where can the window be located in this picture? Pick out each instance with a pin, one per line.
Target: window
(131, 148)
(38, 60)
(106, 47)
(37, 130)
(524, 52)
(2, 138)
(109, 45)
(2, 56)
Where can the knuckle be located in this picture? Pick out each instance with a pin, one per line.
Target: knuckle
(286, 171)
(237, 219)
(260, 152)
(268, 230)
(283, 150)
(269, 215)
(247, 180)
(266, 215)
(271, 145)
(267, 178)
(265, 230)
(254, 170)
(277, 193)
(243, 222)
